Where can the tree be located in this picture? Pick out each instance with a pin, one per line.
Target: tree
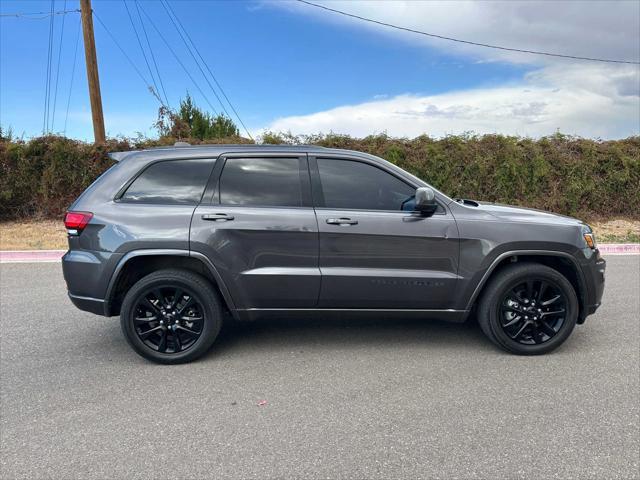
(192, 122)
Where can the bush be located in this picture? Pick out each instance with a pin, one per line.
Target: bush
(191, 121)
(574, 176)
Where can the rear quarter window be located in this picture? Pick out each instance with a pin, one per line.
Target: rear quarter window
(170, 182)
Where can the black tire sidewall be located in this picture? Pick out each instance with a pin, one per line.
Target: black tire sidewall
(509, 280)
(204, 295)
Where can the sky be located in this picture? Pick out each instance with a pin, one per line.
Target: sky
(286, 66)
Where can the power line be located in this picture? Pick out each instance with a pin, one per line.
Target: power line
(73, 72)
(194, 58)
(153, 57)
(55, 90)
(178, 59)
(45, 120)
(209, 70)
(153, 92)
(468, 42)
(144, 55)
(42, 16)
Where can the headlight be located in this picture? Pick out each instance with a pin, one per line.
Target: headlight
(589, 237)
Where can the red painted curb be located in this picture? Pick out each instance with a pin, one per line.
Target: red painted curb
(619, 248)
(31, 256)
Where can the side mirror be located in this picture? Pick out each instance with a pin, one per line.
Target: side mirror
(426, 201)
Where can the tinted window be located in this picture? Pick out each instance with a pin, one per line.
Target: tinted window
(170, 182)
(356, 185)
(271, 182)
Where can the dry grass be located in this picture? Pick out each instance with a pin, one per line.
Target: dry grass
(51, 235)
(617, 231)
(33, 235)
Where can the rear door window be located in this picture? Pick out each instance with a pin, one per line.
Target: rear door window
(267, 182)
(170, 182)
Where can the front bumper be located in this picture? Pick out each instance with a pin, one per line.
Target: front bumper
(594, 275)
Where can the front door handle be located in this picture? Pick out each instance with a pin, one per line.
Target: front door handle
(215, 217)
(341, 221)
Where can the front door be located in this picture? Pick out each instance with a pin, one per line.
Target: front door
(375, 253)
(260, 231)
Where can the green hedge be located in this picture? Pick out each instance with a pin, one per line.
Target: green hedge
(574, 176)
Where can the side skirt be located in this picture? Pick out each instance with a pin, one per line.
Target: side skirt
(250, 314)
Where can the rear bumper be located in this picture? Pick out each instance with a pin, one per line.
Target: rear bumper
(88, 304)
(86, 273)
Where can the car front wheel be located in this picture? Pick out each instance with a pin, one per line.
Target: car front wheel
(528, 309)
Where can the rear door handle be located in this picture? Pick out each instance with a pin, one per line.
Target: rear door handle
(341, 221)
(215, 217)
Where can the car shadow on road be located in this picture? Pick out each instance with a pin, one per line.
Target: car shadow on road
(344, 332)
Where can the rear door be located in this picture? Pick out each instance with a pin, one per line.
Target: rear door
(374, 251)
(259, 229)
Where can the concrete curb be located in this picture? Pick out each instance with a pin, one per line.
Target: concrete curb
(51, 256)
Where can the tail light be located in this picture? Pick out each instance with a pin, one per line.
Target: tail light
(75, 222)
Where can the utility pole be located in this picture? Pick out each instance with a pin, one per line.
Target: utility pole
(92, 71)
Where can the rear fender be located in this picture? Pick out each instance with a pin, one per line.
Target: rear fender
(206, 263)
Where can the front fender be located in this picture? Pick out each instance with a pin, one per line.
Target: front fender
(479, 280)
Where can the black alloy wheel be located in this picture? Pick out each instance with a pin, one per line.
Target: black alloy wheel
(528, 308)
(171, 316)
(533, 311)
(168, 319)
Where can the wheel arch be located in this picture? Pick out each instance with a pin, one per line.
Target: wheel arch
(560, 261)
(139, 263)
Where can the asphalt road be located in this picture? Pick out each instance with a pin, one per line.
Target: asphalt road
(345, 399)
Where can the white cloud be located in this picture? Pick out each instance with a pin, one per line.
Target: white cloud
(582, 98)
(590, 101)
(609, 29)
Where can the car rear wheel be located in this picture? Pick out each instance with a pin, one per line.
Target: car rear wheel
(171, 316)
(528, 309)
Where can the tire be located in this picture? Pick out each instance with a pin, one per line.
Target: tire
(171, 316)
(521, 300)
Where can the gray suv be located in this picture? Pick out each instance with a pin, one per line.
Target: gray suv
(176, 239)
